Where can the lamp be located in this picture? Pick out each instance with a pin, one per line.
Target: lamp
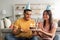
(3, 13)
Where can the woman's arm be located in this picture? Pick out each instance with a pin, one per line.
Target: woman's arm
(50, 34)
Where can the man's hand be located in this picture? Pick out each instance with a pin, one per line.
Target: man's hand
(16, 31)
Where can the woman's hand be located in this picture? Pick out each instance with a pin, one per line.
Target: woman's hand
(34, 33)
(40, 25)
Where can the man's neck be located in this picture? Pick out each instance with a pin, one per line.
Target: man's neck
(25, 19)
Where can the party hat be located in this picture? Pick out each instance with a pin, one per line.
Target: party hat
(48, 7)
(28, 6)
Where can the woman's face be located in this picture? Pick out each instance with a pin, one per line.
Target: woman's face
(45, 16)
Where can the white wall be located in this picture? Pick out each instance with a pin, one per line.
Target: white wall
(8, 4)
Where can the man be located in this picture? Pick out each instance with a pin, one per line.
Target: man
(21, 28)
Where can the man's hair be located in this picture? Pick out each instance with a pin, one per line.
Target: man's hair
(27, 10)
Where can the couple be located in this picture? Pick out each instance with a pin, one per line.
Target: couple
(21, 28)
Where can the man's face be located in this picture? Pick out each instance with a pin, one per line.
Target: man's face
(27, 15)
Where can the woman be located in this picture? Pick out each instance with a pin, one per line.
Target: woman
(47, 28)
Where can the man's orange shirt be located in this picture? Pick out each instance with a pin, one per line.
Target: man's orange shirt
(24, 25)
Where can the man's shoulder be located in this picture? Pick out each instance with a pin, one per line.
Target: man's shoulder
(20, 19)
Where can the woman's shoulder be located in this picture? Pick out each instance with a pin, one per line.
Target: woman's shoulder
(54, 24)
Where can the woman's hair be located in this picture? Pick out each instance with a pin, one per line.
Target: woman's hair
(50, 18)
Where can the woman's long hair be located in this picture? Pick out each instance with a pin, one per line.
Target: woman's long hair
(50, 18)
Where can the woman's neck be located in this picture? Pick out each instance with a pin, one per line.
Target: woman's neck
(47, 21)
